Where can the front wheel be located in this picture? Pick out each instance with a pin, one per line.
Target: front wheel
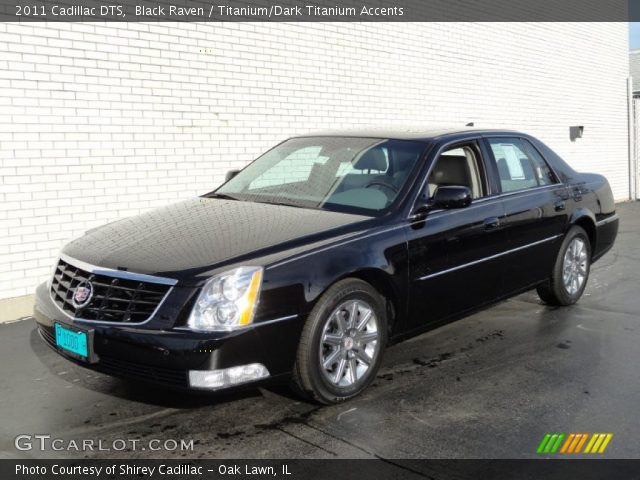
(571, 270)
(342, 342)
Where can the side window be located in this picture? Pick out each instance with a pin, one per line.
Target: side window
(457, 166)
(519, 165)
(543, 172)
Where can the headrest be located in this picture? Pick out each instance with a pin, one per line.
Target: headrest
(404, 160)
(372, 159)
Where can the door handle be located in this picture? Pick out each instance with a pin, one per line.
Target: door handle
(491, 223)
(560, 206)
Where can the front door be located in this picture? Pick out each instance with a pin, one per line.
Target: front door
(455, 259)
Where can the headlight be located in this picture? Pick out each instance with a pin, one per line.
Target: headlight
(227, 301)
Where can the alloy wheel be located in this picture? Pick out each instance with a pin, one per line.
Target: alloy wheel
(349, 343)
(574, 266)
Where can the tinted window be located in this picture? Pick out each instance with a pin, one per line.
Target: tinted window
(295, 167)
(543, 172)
(457, 166)
(363, 175)
(519, 165)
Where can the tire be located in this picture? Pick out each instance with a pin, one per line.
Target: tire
(331, 336)
(561, 289)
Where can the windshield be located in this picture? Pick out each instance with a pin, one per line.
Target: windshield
(360, 175)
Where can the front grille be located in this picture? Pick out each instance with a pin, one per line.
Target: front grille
(113, 299)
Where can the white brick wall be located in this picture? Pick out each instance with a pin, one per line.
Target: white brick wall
(101, 121)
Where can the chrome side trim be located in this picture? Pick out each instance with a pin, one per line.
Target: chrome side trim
(275, 320)
(607, 220)
(109, 272)
(486, 259)
(247, 327)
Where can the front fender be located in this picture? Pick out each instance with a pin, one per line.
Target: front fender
(295, 284)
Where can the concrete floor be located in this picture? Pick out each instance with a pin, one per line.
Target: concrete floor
(488, 386)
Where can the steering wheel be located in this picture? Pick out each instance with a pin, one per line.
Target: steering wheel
(390, 186)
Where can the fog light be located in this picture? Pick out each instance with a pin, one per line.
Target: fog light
(216, 379)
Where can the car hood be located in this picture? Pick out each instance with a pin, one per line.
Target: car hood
(201, 234)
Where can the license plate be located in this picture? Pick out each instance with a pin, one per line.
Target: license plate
(75, 342)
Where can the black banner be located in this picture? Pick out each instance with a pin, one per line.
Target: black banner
(318, 469)
(320, 10)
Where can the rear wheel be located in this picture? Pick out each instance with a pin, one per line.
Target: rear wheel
(342, 343)
(571, 270)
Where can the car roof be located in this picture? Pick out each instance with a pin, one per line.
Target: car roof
(410, 134)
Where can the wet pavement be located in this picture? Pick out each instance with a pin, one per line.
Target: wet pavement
(488, 386)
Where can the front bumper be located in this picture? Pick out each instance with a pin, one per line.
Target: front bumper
(165, 356)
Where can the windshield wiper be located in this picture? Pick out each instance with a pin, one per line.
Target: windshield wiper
(221, 195)
(277, 202)
(255, 200)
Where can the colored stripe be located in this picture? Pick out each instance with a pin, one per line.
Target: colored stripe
(550, 443)
(543, 443)
(605, 443)
(567, 443)
(596, 445)
(584, 439)
(591, 442)
(554, 449)
(574, 443)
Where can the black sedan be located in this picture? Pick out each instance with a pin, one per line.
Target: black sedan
(303, 266)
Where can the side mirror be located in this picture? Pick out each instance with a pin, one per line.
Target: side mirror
(454, 196)
(230, 174)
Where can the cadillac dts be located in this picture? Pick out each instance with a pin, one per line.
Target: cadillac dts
(306, 264)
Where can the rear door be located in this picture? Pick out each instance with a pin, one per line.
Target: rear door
(535, 209)
(454, 254)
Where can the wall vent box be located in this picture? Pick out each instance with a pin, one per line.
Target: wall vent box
(576, 132)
